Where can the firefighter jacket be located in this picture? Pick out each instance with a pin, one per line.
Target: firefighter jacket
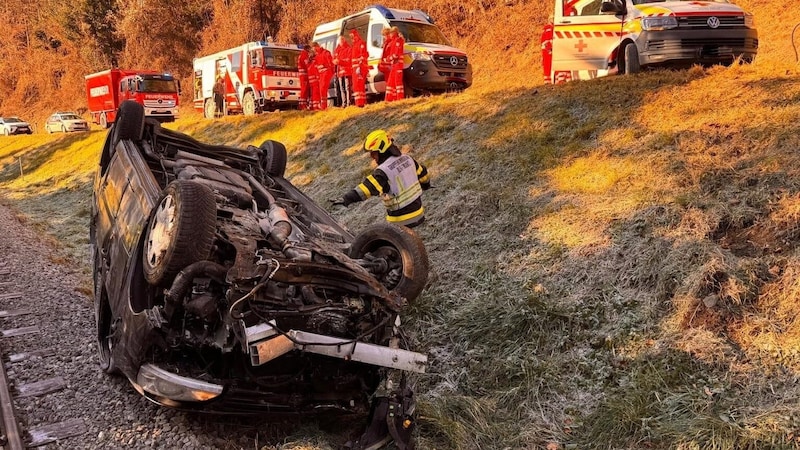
(399, 181)
(341, 57)
(359, 55)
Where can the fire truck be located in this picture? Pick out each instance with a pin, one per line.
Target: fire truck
(591, 38)
(254, 77)
(157, 92)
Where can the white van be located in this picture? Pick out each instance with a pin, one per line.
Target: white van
(592, 38)
(431, 63)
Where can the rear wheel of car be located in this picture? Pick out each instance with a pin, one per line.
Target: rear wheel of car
(5, 131)
(106, 325)
(103, 121)
(274, 158)
(631, 59)
(129, 124)
(406, 269)
(249, 104)
(209, 109)
(181, 231)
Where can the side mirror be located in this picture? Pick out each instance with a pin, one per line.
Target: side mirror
(616, 7)
(178, 82)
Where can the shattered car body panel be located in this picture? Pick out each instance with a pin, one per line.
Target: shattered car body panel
(220, 286)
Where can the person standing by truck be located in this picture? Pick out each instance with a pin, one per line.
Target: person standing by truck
(359, 57)
(313, 80)
(399, 180)
(344, 69)
(396, 53)
(324, 62)
(385, 65)
(303, 61)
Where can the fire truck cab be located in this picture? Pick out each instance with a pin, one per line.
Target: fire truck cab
(249, 79)
(592, 38)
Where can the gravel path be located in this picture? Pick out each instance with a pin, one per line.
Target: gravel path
(114, 414)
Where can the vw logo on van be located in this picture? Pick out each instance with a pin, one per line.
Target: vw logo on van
(713, 22)
(454, 61)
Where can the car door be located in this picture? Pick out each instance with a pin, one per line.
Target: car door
(584, 39)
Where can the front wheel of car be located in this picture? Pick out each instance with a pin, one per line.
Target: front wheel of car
(406, 261)
(181, 230)
(632, 64)
(106, 325)
(129, 124)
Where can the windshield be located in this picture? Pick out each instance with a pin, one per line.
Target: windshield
(281, 58)
(157, 85)
(12, 120)
(642, 2)
(70, 117)
(421, 32)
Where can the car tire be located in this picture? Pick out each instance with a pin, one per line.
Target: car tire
(403, 250)
(105, 324)
(274, 158)
(129, 124)
(49, 131)
(5, 132)
(632, 65)
(63, 129)
(249, 104)
(103, 121)
(180, 232)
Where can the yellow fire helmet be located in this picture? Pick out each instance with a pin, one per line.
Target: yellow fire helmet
(377, 141)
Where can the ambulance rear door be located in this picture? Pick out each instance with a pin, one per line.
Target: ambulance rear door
(583, 39)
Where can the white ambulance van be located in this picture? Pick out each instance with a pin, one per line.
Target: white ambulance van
(431, 63)
(592, 38)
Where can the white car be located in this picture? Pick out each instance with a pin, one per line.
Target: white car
(14, 125)
(64, 122)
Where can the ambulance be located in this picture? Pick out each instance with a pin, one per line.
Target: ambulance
(255, 77)
(592, 38)
(431, 63)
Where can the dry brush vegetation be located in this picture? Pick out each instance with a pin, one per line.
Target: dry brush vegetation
(615, 262)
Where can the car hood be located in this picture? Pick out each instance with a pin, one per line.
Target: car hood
(18, 124)
(74, 122)
(683, 8)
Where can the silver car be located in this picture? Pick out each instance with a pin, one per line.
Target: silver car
(64, 122)
(14, 125)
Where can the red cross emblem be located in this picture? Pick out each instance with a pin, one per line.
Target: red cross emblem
(581, 46)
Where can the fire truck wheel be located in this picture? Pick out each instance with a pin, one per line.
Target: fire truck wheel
(103, 121)
(209, 109)
(274, 158)
(249, 104)
(631, 59)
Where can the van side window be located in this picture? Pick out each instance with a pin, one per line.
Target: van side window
(375, 33)
(581, 7)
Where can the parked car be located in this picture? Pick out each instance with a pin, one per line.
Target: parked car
(14, 125)
(220, 286)
(64, 122)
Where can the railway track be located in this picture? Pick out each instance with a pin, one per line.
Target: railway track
(18, 331)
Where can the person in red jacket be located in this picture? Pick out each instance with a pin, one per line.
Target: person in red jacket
(324, 62)
(359, 57)
(303, 61)
(385, 66)
(313, 80)
(547, 52)
(396, 54)
(344, 69)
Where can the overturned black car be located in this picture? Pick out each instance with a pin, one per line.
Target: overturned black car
(221, 287)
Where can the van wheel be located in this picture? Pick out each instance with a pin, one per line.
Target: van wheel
(181, 231)
(404, 258)
(631, 65)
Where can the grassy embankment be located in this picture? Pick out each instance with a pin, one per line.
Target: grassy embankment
(614, 262)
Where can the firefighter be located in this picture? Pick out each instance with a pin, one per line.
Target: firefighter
(344, 69)
(303, 61)
(313, 80)
(324, 62)
(359, 57)
(398, 179)
(219, 96)
(396, 53)
(385, 65)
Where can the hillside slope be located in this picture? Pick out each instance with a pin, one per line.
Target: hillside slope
(614, 263)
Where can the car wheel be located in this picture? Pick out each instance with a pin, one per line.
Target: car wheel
(210, 109)
(106, 325)
(406, 268)
(274, 158)
(103, 121)
(181, 230)
(631, 59)
(63, 129)
(249, 104)
(5, 131)
(129, 124)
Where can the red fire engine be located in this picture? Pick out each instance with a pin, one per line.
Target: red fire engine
(157, 92)
(254, 77)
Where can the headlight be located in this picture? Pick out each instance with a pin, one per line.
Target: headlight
(420, 56)
(749, 21)
(659, 23)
